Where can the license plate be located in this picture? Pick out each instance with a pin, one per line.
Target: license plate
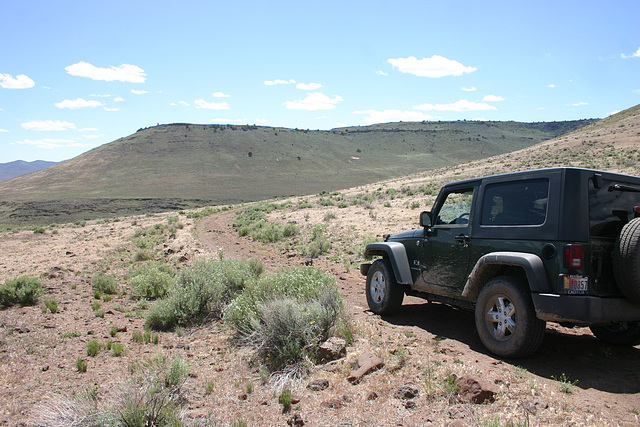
(575, 284)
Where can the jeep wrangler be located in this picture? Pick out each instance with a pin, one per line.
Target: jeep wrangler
(522, 249)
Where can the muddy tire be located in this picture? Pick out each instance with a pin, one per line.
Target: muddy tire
(623, 333)
(506, 320)
(384, 295)
(626, 260)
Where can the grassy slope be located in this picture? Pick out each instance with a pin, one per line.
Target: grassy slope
(183, 165)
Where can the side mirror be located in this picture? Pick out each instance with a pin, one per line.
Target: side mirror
(425, 219)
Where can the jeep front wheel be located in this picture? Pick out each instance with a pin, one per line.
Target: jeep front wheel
(384, 295)
(506, 320)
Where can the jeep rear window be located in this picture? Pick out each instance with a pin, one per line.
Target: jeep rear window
(516, 203)
(610, 209)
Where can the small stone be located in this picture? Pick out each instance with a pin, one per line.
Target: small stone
(475, 390)
(406, 392)
(332, 349)
(318, 385)
(367, 363)
(295, 420)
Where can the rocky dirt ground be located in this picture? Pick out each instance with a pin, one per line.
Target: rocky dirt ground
(572, 380)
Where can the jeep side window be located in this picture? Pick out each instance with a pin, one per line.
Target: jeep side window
(516, 203)
(456, 208)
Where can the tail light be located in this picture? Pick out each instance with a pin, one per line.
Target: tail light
(573, 256)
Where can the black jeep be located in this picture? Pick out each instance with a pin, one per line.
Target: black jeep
(520, 249)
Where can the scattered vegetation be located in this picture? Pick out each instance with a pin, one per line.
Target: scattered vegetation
(104, 284)
(202, 292)
(24, 290)
(286, 316)
(152, 280)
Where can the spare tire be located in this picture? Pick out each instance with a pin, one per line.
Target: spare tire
(626, 260)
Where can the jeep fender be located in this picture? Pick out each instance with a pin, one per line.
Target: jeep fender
(486, 268)
(397, 255)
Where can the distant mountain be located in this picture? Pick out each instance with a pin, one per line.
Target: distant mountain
(181, 165)
(20, 167)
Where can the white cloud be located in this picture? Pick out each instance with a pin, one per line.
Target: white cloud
(492, 98)
(469, 89)
(111, 109)
(279, 82)
(635, 54)
(580, 104)
(107, 95)
(551, 85)
(613, 112)
(49, 143)
(309, 86)
(201, 103)
(220, 95)
(462, 105)
(436, 66)
(381, 73)
(123, 73)
(386, 116)
(88, 130)
(314, 101)
(4, 130)
(182, 103)
(118, 99)
(74, 104)
(138, 92)
(48, 125)
(19, 82)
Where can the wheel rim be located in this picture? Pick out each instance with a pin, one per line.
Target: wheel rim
(501, 318)
(378, 286)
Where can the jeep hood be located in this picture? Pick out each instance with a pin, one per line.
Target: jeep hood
(411, 234)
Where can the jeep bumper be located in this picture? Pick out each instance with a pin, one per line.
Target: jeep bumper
(586, 310)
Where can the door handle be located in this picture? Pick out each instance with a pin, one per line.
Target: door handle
(463, 238)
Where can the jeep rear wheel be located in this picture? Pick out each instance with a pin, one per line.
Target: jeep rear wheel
(623, 333)
(506, 319)
(626, 260)
(384, 295)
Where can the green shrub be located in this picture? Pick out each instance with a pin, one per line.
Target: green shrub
(117, 349)
(93, 348)
(202, 291)
(104, 284)
(156, 393)
(319, 244)
(52, 305)
(152, 280)
(81, 365)
(24, 290)
(286, 316)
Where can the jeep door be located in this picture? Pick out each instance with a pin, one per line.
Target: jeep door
(446, 253)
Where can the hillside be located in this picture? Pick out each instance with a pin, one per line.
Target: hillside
(20, 167)
(179, 166)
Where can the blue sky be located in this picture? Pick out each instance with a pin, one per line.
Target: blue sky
(78, 74)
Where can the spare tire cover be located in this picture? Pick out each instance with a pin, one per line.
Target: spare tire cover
(626, 260)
